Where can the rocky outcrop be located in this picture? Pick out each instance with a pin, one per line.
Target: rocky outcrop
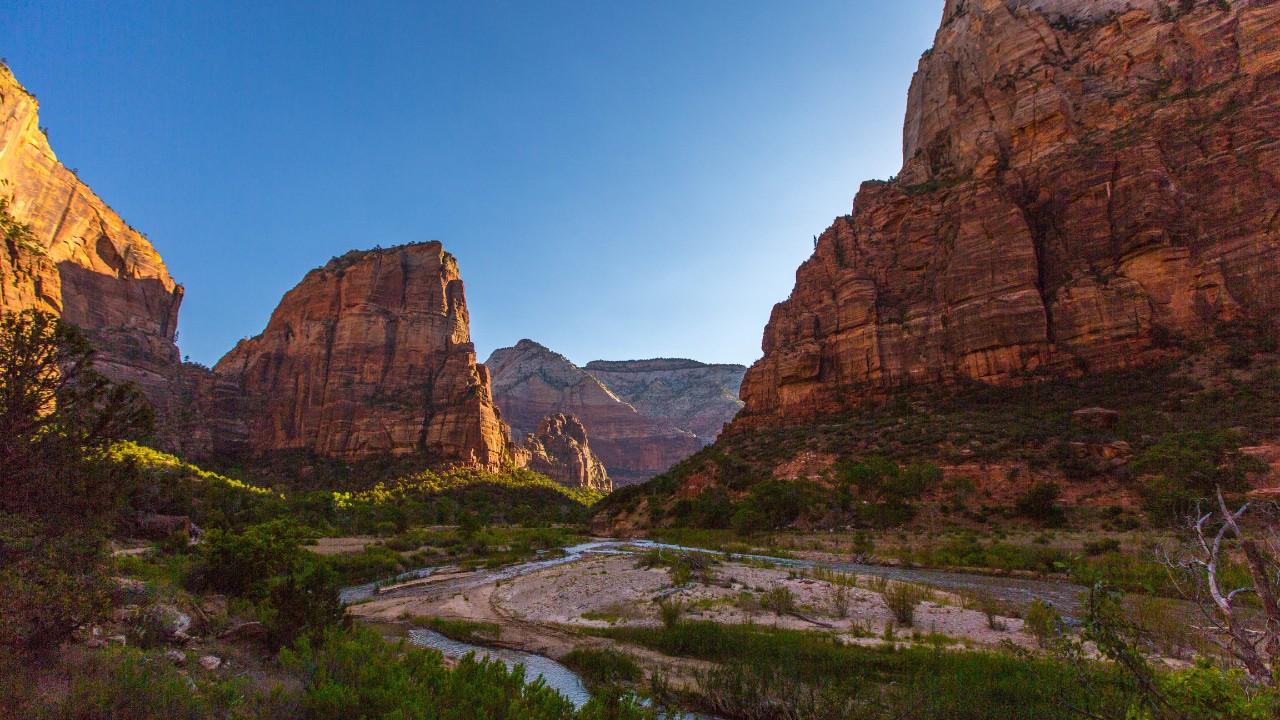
(559, 450)
(531, 382)
(81, 260)
(369, 355)
(1082, 181)
(685, 394)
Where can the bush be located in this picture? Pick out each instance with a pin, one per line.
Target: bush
(304, 600)
(357, 674)
(840, 601)
(1094, 548)
(1204, 692)
(902, 599)
(779, 600)
(240, 564)
(59, 491)
(1040, 503)
(1043, 623)
(670, 610)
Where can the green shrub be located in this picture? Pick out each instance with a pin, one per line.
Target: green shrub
(304, 600)
(357, 674)
(240, 564)
(779, 600)
(1094, 548)
(902, 599)
(603, 666)
(670, 610)
(1040, 503)
(1043, 623)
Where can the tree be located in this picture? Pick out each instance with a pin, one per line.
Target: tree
(58, 489)
(1221, 540)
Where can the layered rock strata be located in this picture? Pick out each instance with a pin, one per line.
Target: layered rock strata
(81, 260)
(1082, 182)
(560, 450)
(686, 394)
(531, 382)
(370, 355)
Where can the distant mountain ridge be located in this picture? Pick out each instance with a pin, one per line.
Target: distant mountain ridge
(641, 417)
(693, 396)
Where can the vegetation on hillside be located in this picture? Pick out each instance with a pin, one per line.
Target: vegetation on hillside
(74, 479)
(1178, 431)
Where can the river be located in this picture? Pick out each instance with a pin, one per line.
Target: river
(1013, 591)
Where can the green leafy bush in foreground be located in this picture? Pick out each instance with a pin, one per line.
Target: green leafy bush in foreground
(356, 674)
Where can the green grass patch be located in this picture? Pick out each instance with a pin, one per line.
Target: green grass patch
(815, 675)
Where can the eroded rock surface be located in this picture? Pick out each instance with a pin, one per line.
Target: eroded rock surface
(86, 263)
(370, 354)
(531, 382)
(560, 450)
(686, 394)
(1082, 181)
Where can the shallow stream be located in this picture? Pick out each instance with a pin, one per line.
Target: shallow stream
(1012, 591)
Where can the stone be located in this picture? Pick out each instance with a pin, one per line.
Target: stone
(177, 657)
(128, 591)
(1095, 418)
(210, 662)
(1080, 180)
(166, 622)
(161, 527)
(530, 382)
(559, 450)
(86, 264)
(370, 354)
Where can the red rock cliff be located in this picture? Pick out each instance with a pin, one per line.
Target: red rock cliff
(86, 264)
(1080, 179)
(531, 382)
(371, 354)
(559, 450)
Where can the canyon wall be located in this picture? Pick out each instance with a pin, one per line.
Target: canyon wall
(531, 382)
(81, 260)
(370, 354)
(689, 395)
(560, 450)
(1083, 182)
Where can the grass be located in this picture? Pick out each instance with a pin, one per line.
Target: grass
(468, 631)
(815, 675)
(600, 667)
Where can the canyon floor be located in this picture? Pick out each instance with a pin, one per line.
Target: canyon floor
(553, 609)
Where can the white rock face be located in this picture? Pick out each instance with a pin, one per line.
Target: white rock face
(690, 395)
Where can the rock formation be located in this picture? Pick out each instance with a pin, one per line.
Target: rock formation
(559, 450)
(370, 354)
(1082, 181)
(686, 394)
(84, 263)
(531, 382)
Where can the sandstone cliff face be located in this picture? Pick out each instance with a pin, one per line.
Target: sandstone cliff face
(530, 383)
(1080, 179)
(87, 264)
(559, 450)
(370, 354)
(686, 394)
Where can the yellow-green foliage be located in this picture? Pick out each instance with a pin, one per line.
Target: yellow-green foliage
(434, 483)
(164, 463)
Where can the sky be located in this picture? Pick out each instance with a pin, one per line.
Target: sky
(618, 180)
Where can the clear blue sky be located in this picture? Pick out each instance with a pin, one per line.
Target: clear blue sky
(617, 179)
